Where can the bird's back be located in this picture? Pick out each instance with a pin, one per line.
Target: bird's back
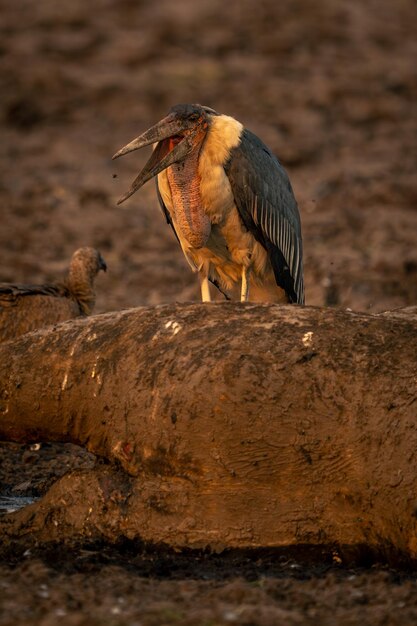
(24, 308)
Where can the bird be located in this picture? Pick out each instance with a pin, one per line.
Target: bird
(229, 201)
(27, 307)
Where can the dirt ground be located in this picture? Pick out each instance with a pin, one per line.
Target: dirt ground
(331, 88)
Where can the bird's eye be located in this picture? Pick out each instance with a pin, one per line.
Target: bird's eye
(194, 116)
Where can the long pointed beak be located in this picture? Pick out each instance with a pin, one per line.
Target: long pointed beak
(168, 127)
(159, 161)
(161, 157)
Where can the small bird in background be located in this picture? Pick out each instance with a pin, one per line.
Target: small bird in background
(229, 202)
(24, 308)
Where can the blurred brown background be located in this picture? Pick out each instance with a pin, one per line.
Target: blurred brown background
(330, 86)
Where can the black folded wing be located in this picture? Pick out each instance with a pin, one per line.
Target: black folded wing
(266, 204)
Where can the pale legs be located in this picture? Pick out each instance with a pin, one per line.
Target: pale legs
(244, 292)
(204, 282)
(205, 285)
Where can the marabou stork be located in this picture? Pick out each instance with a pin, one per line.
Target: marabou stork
(229, 202)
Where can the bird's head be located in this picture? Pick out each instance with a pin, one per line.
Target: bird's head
(176, 136)
(87, 261)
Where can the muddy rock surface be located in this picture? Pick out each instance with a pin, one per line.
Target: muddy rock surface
(331, 88)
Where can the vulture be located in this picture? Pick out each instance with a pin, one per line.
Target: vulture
(24, 308)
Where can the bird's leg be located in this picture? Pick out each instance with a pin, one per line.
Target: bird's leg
(204, 282)
(205, 289)
(244, 292)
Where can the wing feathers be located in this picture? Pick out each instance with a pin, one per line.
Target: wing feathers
(266, 203)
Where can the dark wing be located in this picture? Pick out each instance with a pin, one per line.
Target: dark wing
(24, 308)
(12, 291)
(266, 204)
(164, 209)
